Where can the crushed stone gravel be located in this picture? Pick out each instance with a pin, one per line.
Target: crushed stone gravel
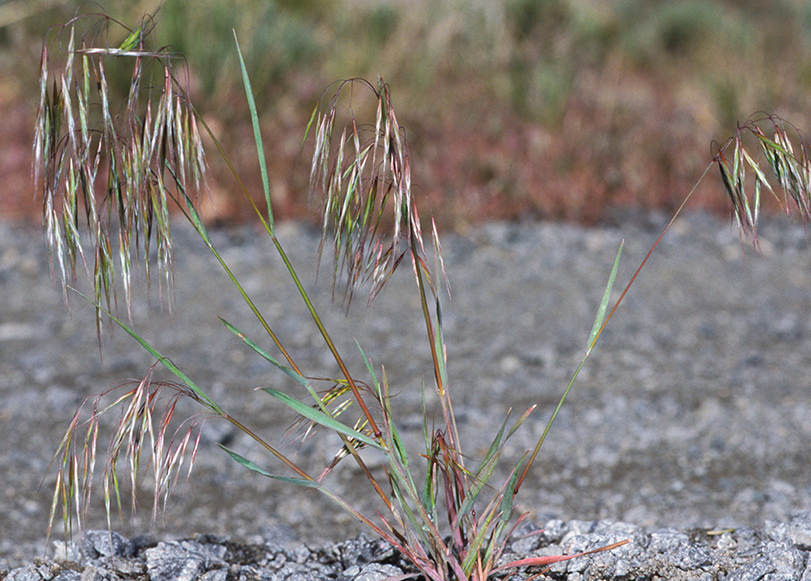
(693, 412)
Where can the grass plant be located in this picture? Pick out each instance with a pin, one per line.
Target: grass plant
(109, 172)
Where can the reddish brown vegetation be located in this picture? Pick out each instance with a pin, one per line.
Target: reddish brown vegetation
(641, 145)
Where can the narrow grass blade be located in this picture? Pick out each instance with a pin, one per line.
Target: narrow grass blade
(439, 346)
(598, 322)
(402, 498)
(429, 493)
(520, 421)
(509, 494)
(397, 444)
(166, 362)
(488, 465)
(313, 117)
(257, 134)
(264, 354)
(494, 532)
(485, 471)
(370, 369)
(253, 467)
(320, 418)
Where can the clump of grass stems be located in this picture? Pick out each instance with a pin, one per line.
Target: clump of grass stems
(114, 173)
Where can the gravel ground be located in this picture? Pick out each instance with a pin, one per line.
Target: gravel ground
(775, 552)
(693, 412)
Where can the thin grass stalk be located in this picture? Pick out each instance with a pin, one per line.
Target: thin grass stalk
(194, 219)
(286, 461)
(191, 215)
(437, 357)
(599, 325)
(328, 340)
(197, 223)
(596, 336)
(310, 307)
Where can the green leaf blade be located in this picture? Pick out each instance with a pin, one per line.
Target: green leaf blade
(257, 134)
(321, 418)
(205, 399)
(255, 468)
(264, 354)
(598, 322)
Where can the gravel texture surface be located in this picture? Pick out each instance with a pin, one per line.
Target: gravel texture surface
(774, 552)
(693, 413)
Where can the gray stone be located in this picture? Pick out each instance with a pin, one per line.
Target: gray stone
(215, 575)
(799, 529)
(279, 536)
(775, 561)
(182, 560)
(775, 552)
(96, 544)
(92, 573)
(377, 572)
(45, 571)
(27, 573)
(363, 550)
(675, 547)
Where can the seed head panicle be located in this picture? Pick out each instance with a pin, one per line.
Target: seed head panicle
(787, 153)
(112, 172)
(362, 172)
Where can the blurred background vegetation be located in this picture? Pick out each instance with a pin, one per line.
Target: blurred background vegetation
(580, 110)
